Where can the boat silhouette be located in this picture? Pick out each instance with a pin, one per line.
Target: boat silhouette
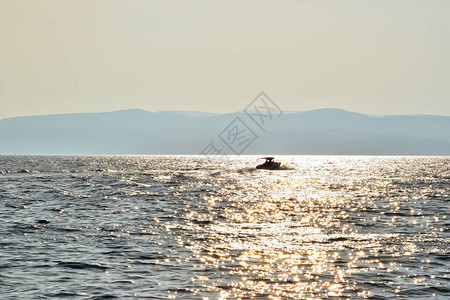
(269, 164)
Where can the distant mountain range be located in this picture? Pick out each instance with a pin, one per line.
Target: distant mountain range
(323, 131)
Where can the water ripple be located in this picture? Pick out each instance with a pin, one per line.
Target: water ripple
(106, 227)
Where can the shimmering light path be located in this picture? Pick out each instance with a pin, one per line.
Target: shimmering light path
(189, 227)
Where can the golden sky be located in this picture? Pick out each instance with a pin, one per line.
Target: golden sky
(376, 57)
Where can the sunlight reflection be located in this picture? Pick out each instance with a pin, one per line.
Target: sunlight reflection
(292, 234)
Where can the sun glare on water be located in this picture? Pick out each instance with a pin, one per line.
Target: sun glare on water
(294, 233)
(186, 227)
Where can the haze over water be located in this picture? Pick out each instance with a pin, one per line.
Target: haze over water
(91, 227)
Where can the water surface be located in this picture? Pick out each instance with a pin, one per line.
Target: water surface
(93, 227)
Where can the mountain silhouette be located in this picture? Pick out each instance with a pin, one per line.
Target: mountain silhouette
(135, 131)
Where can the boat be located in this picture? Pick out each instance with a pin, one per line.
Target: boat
(269, 164)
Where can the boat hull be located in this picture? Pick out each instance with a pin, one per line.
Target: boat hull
(272, 166)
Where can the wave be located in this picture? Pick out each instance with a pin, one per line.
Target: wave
(287, 167)
(24, 171)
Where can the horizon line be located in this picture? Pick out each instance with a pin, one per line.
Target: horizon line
(180, 112)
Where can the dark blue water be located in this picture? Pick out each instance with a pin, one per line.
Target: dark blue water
(98, 227)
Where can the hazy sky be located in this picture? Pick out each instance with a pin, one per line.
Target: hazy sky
(378, 57)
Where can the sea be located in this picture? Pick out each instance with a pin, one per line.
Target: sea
(195, 227)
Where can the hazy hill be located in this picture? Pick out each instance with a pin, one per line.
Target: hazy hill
(324, 131)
